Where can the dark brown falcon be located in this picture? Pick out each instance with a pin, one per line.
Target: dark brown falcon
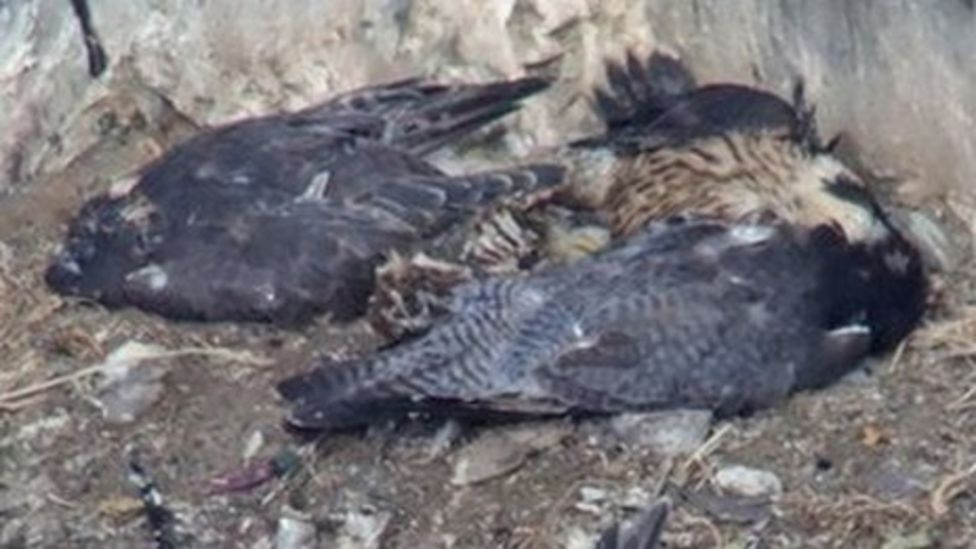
(674, 146)
(287, 216)
(729, 150)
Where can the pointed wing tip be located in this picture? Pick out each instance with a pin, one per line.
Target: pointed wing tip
(534, 84)
(644, 531)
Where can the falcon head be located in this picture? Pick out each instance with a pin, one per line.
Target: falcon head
(101, 249)
(882, 271)
(825, 191)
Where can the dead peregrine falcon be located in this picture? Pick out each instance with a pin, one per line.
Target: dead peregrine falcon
(284, 217)
(729, 150)
(693, 313)
(671, 147)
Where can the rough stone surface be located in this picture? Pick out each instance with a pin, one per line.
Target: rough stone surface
(896, 70)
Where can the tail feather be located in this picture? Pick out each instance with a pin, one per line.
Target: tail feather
(647, 105)
(351, 395)
(337, 396)
(464, 109)
(641, 91)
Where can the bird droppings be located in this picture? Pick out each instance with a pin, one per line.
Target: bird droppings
(921, 539)
(151, 276)
(254, 444)
(748, 481)
(295, 530)
(125, 397)
(360, 527)
(446, 437)
(127, 389)
(664, 433)
(46, 426)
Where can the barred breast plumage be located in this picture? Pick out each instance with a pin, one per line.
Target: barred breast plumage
(684, 313)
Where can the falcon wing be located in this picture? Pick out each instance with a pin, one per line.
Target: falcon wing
(285, 265)
(381, 130)
(736, 322)
(226, 252)
(658, 104)
(452, 370)
(417, 115)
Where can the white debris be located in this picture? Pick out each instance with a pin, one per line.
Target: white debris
(128, 386)
(253, 446)
(295, 530)
(360, 527)
(51, 423)
(666, 433)
(747, 481)
(499, 452)
(445, 438)
(127, 390)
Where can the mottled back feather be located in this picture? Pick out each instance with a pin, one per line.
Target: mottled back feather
(684, 314)
(658, 103)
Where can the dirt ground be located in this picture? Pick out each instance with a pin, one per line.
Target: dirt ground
(886, 459)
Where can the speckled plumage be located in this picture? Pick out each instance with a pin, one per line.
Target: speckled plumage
(672, 147)
(737, 152)
(286, 216)
(684, 313)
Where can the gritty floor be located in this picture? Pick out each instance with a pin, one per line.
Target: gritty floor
(884, 459)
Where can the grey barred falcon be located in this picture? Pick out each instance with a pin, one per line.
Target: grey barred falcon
(685, 313)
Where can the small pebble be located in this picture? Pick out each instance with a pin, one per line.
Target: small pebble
(295, 530)
(253, 446)
(748, 481)
(665, 433)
